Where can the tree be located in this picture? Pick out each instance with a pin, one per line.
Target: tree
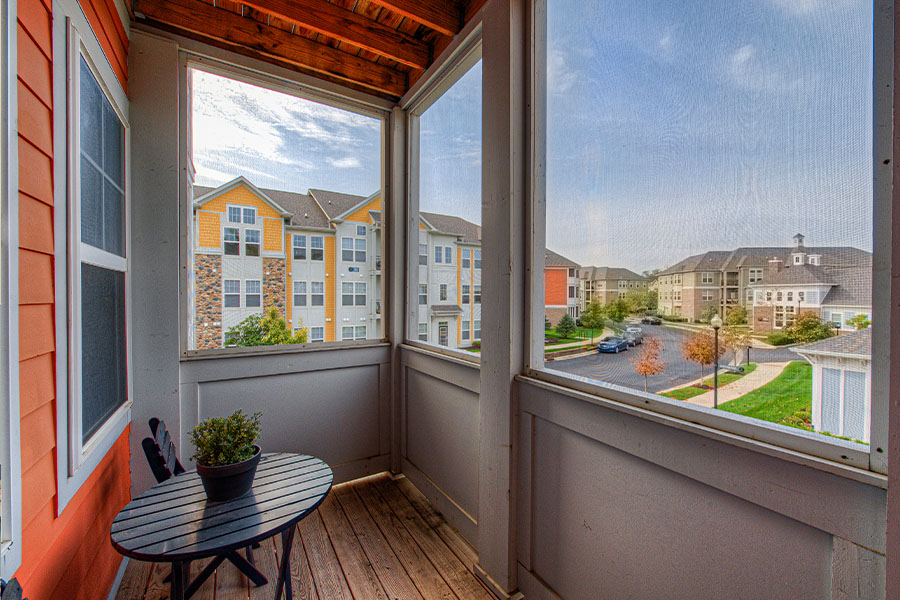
(700, 348)
(652, 300)
(736, 316)
(859, 322)
(566, 326)
(593, 316)
(547, 324)
(708, 313)
(735, 339)
(617, 310)
(808, 327)
(647, 361)
(264, 330)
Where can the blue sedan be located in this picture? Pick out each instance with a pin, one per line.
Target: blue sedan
(612, 344)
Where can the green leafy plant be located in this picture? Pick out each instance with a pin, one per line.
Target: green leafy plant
(221, 441)
(778, 338)
(808, 327)
(264, 330)
(859, 322)
(566, 326)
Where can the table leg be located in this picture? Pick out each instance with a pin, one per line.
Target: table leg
(284, 571)
(178, 585)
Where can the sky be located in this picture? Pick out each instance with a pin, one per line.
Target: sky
(673, 128)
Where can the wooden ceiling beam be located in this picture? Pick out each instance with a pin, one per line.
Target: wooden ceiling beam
(347, 26)
(441, 15)
(281, 46)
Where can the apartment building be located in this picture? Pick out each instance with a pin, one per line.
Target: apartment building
(774, 284)
(562, 290)
(607, 284)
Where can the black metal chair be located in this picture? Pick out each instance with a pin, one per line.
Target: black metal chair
(11, 590)
(163, 460)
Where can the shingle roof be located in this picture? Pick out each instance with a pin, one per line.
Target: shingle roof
(857, 343)
(798, 275)
(446, 308)
(335, 203)
(609, 273)
(305, 212)
(853, 286)
(552, 259)
(468, 231)
(717, 260)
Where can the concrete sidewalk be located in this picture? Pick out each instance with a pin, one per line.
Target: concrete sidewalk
(763, 374)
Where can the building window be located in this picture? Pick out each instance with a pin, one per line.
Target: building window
(423, 332)
(347, 249)
(706, 278)
(448, 255)
(442, 291)
(478, 259)
(790, 296)
(234, 214)
(443, 334)
(251, 242)
(253, 293)
(798, 259)
(316, 334)
(706, 295)
(360, 293)
(361, 230)
(476, 332)
(466, 333)
(778, 296)
(749, 295)
(232, 291)
(299, 247)
(756, 275)
(317, 248)
(768, 296)
(347, 293)
(466, 258)
(466, 297)
(423, 293)
(361, 250)
(299, 293)
(423, 254)
(232, 241)
(317, 293)
(438, 254)
(346, 333)
(571, 291)
(477, 294)
(801, 296)
(361, 332)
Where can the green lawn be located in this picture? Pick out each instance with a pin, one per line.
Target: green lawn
(579, 335)
(693, 390)
(783, 400)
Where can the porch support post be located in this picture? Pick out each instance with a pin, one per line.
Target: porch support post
(395, 233)
(504, 283)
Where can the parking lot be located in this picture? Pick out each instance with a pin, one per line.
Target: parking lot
(619, 368)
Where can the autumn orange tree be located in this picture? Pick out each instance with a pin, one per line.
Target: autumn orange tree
(647, 362)
(700, 348)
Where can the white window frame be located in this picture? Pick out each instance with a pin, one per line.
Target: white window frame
(706, 278)
(466, 258)
(248, 293)
(365, 332)
(357, 295)
(252, 211)
(476, 294)
(346, 296)
(72, 39)
(706, 296)
(438, 255)
(448, 255)
(421, 295)
(234, 207)
(832, 454)
(361, 230)
(225, 293)
(423, 331)
(466, 294)
(347, 247)
(313, 294)
(316, 338)
(755, 275)
(302, 294)
(423, 257)
(442, 292)
(359, 250)
(345, 337)
(10, 441)
(477, 259)
(238, 241)
(295, 238)
(257, 243)
(312, 247)
(466, 331)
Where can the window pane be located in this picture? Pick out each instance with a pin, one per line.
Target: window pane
(91, 107)
(113, 219)
(704, 165)
(103, 360)
(91, 204)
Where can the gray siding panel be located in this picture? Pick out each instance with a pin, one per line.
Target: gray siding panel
(854, 404)
(831, 401)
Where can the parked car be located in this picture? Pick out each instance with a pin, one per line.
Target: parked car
(633, 337)
(612, 344)
(651, 320)
(732, 368)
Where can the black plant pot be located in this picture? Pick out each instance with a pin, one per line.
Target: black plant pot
(229, 481)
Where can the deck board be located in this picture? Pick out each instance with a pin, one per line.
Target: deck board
(372, 538)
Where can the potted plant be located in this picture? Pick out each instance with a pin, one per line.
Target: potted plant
(227, 454)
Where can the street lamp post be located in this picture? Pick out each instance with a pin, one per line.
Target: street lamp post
(716, 323)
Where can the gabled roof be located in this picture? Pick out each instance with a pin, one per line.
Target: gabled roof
(201, 198)
(609, 273)
(552, 259)
(857, 344)
(336, 204)
(466, 230)
(301, 208)
(798, 275)
(727, 260)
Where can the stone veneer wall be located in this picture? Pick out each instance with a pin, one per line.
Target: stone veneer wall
(208, 309)
(274, 290)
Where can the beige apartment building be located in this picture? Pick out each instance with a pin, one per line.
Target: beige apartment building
(607, 284)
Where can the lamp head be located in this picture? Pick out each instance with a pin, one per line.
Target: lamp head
(716, 322)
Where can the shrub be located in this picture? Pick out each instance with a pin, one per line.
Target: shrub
(566, 326)
(736, 316)
(673, 318)
(778, 338)
(264, 330)
(223, 441)
(809, 328)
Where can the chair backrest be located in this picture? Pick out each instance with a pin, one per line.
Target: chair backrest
(11, 590)
(160, 452)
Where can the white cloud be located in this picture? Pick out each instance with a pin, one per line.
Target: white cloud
(561, 77)
(665, 42)
(346, 162)
(802, 8)
(747, 69)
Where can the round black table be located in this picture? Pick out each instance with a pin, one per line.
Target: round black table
(173, 522)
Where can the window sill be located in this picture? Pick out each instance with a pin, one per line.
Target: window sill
(458, 356)
(200, 355)
(838, 457)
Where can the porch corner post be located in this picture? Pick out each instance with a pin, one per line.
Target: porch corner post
(504, 154)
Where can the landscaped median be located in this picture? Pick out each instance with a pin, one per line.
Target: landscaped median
(707, 384)
(787, 399)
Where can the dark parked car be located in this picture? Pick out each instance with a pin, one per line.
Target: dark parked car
(612, 344)
(634, 335)
(651, 320)
(732, 368)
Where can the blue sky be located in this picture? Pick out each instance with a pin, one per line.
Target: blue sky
(673, 128)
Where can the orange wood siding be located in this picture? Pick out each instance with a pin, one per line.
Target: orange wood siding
(209, 229)
(273, 230)
(66, 556)
(243, 196)
(556, 287)
(361, 215)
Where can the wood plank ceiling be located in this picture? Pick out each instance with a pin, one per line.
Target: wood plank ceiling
(377, 46)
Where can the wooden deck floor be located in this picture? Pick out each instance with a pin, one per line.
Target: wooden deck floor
(371, 539)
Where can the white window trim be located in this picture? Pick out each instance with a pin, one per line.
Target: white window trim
(10, 461)
(76, 461)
